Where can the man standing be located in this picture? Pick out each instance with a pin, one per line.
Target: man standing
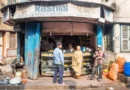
(98, 55)
(70, 48)
(59, 63)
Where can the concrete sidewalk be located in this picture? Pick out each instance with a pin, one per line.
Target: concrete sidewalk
(45, 83)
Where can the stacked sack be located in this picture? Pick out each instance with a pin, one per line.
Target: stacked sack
(120, 61)
(113, 72)
(117, 67)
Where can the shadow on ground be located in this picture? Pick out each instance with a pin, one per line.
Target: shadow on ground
(128, 85)
(71, 84)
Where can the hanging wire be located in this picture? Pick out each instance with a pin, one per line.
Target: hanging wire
(123, 2)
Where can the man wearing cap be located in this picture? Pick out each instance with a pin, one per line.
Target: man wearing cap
(59, 63)
(98, 55)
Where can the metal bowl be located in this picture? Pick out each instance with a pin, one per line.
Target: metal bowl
(15, 81)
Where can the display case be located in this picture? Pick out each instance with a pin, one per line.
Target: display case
(47, 66)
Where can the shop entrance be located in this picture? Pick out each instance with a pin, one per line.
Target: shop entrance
(48, 44)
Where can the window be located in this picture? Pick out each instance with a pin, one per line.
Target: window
(12, 40)
(108, 40)
(125, 38)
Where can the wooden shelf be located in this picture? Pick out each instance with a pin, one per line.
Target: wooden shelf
(47, 70)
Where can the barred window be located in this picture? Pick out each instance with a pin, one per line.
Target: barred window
(125, 38)
(12, 40)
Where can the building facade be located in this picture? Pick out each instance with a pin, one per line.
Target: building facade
(8, 39)
(35, 19)
(121, 35)
(106, 22)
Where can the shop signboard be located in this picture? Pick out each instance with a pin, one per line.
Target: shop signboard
(108, 15)
(82, 11)
(63, 10)
(24, 11)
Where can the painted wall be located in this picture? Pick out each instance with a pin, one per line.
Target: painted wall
(106, 2)
(6, 43)
(117, 44)
(110, 3)
(116, 38)
(122, 13)
(125, 55)
(7, 51)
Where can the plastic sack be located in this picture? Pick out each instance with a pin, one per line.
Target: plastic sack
(120, 61)
(113, 72)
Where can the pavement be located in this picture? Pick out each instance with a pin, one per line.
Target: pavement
(45, 83)
(70, 83)
(84, 83)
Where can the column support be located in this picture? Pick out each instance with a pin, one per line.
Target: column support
(100, 36)
(32, 49)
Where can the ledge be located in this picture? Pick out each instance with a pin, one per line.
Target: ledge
(39, 1)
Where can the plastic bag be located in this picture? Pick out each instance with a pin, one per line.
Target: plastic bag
(113, 72)
(120, 61)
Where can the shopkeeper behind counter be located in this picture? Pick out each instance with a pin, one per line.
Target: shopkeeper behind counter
(70, 48)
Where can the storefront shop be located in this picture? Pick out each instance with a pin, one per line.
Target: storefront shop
(44, 24)
(76, 34)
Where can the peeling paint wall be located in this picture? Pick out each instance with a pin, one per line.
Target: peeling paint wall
(32, 48)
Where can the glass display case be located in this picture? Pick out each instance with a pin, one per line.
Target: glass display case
(47, 64)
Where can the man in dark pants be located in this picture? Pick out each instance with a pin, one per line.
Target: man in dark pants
(98, 55)
(59, 63)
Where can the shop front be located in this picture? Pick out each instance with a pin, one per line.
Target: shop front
(42, 25)
(69, 33)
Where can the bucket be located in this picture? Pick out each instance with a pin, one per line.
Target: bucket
(18, 74)
(127, 69)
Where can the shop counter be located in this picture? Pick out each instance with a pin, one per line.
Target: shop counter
(47, 64)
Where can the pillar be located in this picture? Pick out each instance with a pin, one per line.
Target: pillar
(116, 38)
(18, 46)
(32, 48)
(6, 42)
(99, 36)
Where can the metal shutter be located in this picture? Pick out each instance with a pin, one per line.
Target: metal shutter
(125, 34)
